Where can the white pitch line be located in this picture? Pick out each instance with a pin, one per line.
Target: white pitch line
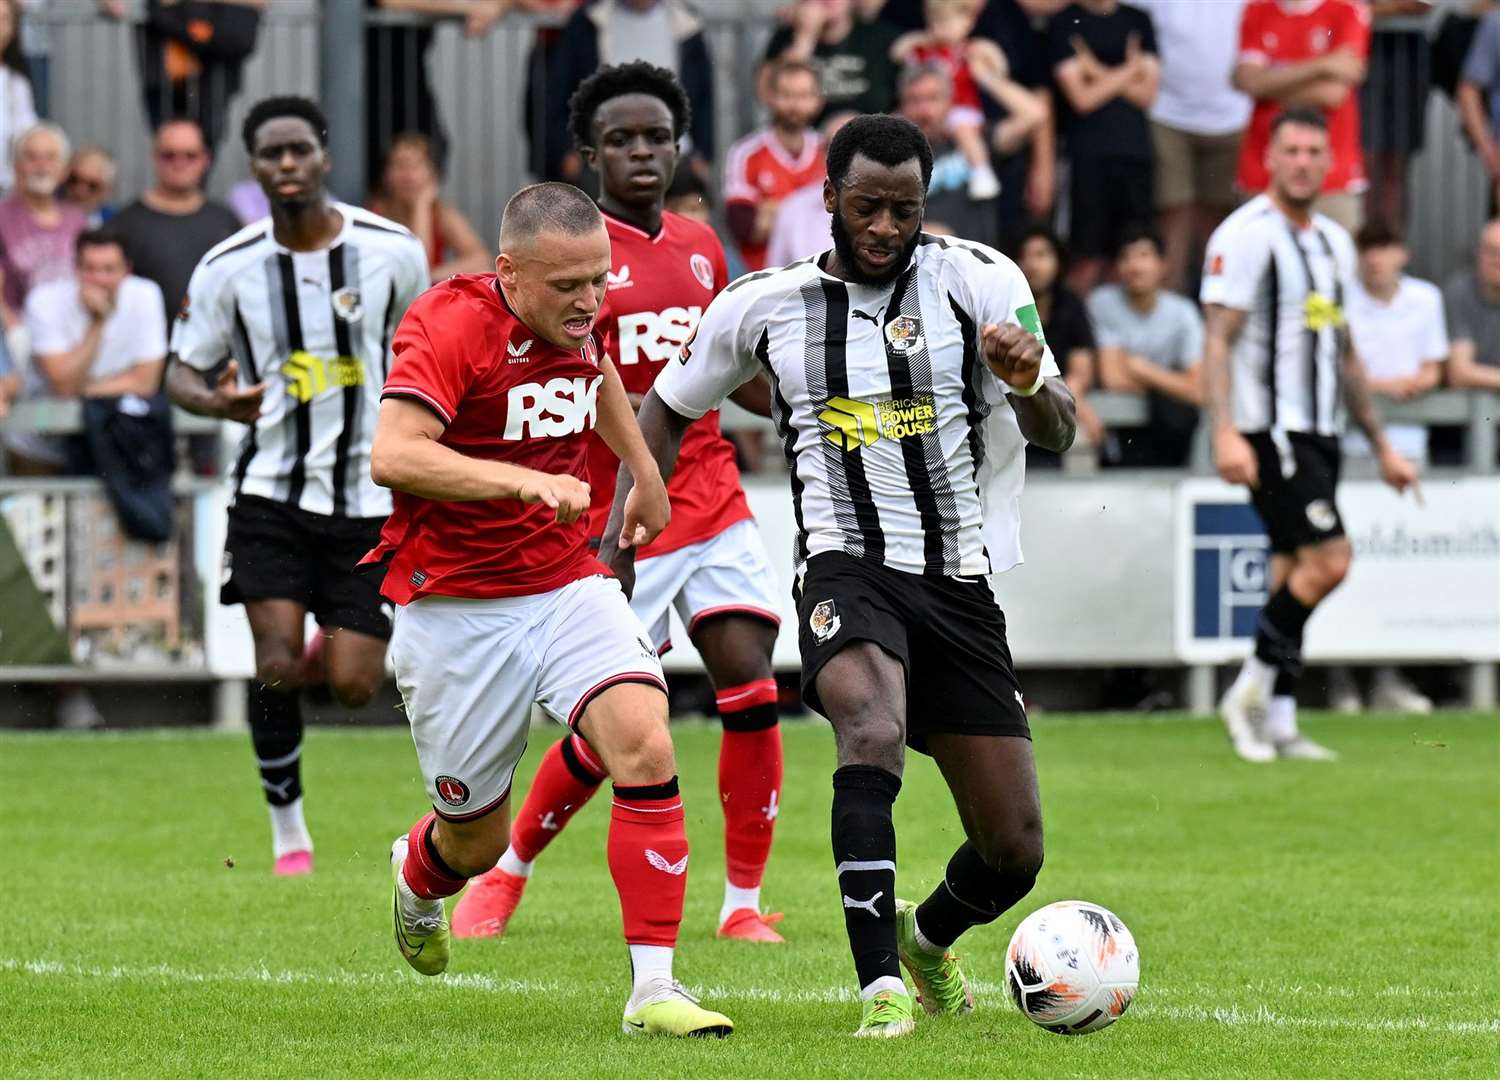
(1233, 1016)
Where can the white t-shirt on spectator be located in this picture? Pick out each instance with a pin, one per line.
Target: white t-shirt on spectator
(1394, 340)
(1199, 43)
(803, 227)
(135, 331)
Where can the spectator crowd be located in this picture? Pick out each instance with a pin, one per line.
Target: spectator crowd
(1097, 142)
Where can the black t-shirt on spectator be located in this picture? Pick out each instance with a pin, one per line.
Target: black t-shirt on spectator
(1001, 21)
(165, 248)
(857, 73)
(1117, 129)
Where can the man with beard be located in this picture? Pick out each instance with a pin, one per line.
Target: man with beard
(302, 305)
(710, 563)
(766, 166)
(908, 371)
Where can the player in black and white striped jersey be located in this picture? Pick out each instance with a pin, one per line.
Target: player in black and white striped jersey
(908, 372)
(296, 313)
(1279, 375)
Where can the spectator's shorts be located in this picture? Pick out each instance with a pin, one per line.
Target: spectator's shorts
(278, 552)
(1295, 499)
(948, 633)
(1393, 99)
(470, 670)
(1195, 169)
(1108, 196)
(728, 574)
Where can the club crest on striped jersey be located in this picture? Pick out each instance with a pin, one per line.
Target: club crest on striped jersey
(348, 305)
(904, 334)
(703, 270)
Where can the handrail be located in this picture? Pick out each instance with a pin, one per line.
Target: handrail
(64, 416)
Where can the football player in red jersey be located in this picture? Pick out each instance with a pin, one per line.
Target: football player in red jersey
(709, 563)
(483, 435)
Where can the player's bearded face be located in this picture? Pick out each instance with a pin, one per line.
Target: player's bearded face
(1299, 160)
(555, 283)
(877, 221)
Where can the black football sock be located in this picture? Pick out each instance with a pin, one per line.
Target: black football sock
(276, 733)
(1278, 636)
(864, 850)
(970, 894)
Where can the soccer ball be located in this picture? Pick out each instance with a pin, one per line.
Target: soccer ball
(1072, 967)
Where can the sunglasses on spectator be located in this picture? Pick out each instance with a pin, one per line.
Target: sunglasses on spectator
(179, 155)
(86, 182)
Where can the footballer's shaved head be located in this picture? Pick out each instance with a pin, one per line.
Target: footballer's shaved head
(542, 208)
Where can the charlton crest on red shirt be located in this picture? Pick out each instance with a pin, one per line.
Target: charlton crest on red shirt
(659, 288)
(503, 394)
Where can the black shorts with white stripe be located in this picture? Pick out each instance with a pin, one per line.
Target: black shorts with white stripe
(948, 633)
(1295, 496)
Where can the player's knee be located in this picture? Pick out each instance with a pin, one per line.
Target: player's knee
(279, 669)
(352, 693)
(645, 758)
(871, 738)
(1015, 854)
(1328, 567)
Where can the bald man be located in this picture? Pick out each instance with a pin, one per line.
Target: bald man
(483, 437)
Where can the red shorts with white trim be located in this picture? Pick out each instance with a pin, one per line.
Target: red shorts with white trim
(470, 670)
(727, 574)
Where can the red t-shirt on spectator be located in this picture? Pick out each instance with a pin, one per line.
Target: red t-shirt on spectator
(503, 394)
(1274, 32)
(758, 168)
(659, 288)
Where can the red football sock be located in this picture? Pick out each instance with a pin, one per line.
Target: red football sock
(568, 777)
(749, 778)
(648, 857)
(425, 872)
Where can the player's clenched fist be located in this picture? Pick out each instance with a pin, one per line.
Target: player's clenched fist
(647, 511)
(568, 495)
(232, 403)
(1013, 354)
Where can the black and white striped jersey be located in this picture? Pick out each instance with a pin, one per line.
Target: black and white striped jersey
(316, 326)
(902, 447)
(1288, 360)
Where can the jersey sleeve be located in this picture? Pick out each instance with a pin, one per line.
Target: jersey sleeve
(45, 326)
(1353, 30)
(992, 289)
(202, 331)
(737, 185)
(431, 359)
(1235, 261)
(715, 361)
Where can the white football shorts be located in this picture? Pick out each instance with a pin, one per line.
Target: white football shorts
(470, 670)
(723, 575)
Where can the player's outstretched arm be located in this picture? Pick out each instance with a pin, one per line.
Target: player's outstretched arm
(648, 511)
(407, 456)
(1044, 407)
(661, 430)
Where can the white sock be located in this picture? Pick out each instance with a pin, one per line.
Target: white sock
(923, 943)
(736, 898)
(1281, 719)
(1256, 672)
(649, 963)
(512, 863)
(880, 985)
(288, 829)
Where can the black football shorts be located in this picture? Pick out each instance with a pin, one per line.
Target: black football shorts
(948, 633)
(1295, 496)
(278, 552)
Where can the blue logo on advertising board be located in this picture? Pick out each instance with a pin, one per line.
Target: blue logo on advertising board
(1231, 562)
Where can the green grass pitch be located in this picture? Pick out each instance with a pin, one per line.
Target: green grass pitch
(1294, 920)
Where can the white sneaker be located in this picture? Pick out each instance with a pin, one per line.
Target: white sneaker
(983, 184)
(1304, 749)
(1242, 711)
(1392, 693)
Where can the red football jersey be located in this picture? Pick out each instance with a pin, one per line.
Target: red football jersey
(658, 290)
(1272, 33)
(504, 394)
(758, 168)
